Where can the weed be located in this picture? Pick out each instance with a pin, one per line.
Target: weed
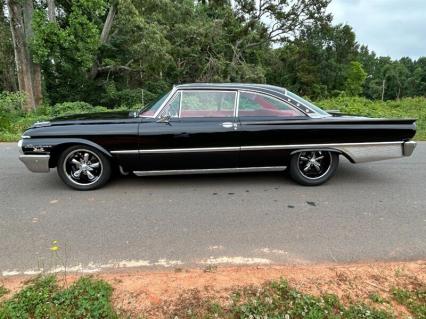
(414, 300)
(375, 297)
(210, 268)
(278, 300)
(43, 298)
(3, 291)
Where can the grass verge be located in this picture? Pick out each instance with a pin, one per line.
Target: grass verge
(87, 297)
(43, 298)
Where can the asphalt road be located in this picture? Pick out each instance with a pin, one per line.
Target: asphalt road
(374, 211)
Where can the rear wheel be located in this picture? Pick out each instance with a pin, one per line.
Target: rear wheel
(312, 168)
(84, 168)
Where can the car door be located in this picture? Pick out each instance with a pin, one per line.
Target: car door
(266, 124)
(196, 129)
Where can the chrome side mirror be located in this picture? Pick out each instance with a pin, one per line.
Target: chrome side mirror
(134, 114)
(164, 118)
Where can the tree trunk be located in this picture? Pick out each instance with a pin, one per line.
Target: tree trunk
(383, 89)
(104, 36)
(8, 75)
(51, 10)
(23, 67)
(35, 67)
(108, 23)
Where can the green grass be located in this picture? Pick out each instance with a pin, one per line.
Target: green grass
(3, 291)
(375, 297)
(86, 298)
(279, 300)
(414, 300)
(404, 108)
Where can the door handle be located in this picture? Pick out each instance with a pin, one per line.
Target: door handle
(230, 125)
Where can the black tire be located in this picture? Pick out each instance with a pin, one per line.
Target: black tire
(84, 168)
(308, 172)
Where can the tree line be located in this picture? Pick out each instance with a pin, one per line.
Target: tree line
(124, 52)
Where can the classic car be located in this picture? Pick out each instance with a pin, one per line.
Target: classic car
(212, 128)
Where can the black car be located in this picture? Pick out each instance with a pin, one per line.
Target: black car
(212, 128)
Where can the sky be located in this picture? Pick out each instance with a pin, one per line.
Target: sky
(394, 28)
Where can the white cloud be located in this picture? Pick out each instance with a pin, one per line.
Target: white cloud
(389, 27)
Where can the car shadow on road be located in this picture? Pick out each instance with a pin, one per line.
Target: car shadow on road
(346, 175)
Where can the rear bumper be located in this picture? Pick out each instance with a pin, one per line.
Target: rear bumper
(36, 163)
(370, 152)
(408, 148)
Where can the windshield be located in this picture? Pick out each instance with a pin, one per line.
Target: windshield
(151, 108)
(313, 107)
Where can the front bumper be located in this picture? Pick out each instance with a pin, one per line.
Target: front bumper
(37, 163)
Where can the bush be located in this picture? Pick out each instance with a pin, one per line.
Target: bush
(404, 108)
(67, 108)
(10, 107)
(11, 102)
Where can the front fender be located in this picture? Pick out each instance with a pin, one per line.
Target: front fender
(55, 146)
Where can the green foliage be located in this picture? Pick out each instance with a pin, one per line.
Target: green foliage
(67, 49)
(279, 301)
(154, 44)
(67, 108)
(403, 108)
(375, 297)
(91, 298)
(43, 298)
(10, 108)
(414, 300)
(13, 121)
(355, 78)
(3, 291)
(11, 102)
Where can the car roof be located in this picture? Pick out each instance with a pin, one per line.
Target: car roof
(233, 86)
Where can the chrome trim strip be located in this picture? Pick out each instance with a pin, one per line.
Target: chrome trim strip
(357, 152)
(291, 146)
(36, 163)
(211, 171)
(190, 150)
(125, 152)
(171, 94)
(175, 89)
(273, 97)
(236, 104)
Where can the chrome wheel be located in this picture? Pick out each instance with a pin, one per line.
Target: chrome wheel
(314, 164)
(83, 167)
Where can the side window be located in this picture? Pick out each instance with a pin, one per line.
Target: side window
(207, 104)
(253, 104)
(173, 106)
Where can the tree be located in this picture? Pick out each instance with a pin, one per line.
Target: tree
(7, 63)
(355, 77)
(28, 72)
(315, 63)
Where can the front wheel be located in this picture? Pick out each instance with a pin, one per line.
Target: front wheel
(83, 168)
(312, 168)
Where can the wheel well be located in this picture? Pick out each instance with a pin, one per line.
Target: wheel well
(340, 152)
(57, 150)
